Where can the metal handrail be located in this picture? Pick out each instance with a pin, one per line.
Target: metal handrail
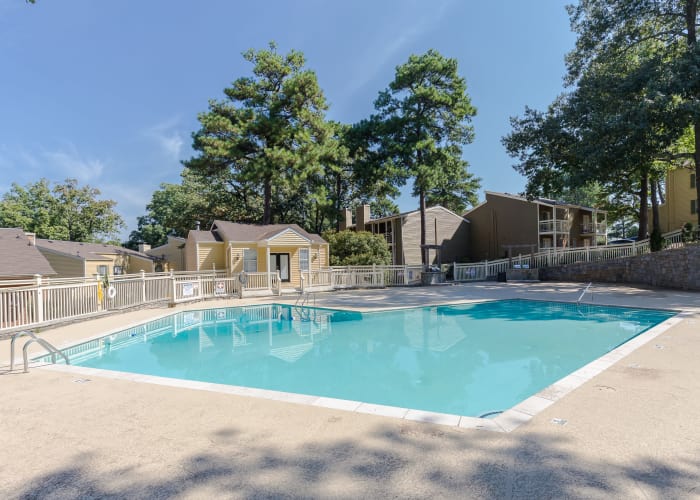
(304, 297)
(44, 343)
(584, 293)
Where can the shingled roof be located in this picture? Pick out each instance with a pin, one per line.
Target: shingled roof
(19, 257)
(87, 251)
(233, 231)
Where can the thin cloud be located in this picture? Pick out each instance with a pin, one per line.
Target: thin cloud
(72, 164)
(65, 162)
(383, 51)
(167, 137)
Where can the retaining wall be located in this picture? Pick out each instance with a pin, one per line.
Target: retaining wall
(672, 268)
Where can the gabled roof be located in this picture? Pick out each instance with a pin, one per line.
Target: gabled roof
(20, 257)
(204, 236)
(544, 201)
(172, 240)
(87, 251)
(405, 214)
(233, 231)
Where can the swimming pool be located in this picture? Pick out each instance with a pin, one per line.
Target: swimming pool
(466, 359)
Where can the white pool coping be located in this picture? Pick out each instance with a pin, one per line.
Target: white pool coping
(506, 421)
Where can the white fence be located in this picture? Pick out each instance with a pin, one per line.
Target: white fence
(559, 256)
(36, 302)
(25, 304)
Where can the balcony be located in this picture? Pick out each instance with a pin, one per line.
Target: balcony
(559, 225)
(590, 228)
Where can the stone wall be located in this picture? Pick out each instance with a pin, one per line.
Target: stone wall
(673, 268)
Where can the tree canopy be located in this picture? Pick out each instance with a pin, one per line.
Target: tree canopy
(268, 135)
(64, 212)
(423, 120)
(632, 94)
(350, 248)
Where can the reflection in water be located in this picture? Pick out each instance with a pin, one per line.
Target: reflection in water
(463, 359)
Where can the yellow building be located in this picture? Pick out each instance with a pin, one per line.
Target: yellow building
(680, 204)
(234, 247)
(74, 259)
(170, 257)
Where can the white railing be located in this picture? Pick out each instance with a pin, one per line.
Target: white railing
(257, 281)
(317, 278)
(597, 228)
(674, 239)
(560, 225)
(45, 301)
(559, 256)
(36, 302)
(358, 277)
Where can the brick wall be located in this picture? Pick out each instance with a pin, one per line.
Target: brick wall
(674, 268)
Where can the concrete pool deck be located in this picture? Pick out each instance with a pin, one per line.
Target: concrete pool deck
(629, 432)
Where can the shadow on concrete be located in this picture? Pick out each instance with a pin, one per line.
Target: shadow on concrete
(406, 461)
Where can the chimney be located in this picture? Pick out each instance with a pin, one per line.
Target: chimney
(345, 219)
(32, 238)
(361, 217)
(196, 225)
(144, 247)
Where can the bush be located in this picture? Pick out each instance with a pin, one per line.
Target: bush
(350, 248)
(689, 233)
(656, 241)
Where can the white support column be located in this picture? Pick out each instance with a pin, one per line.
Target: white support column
(554, 227)
(267, 258)
(39, 299)
(143, 286)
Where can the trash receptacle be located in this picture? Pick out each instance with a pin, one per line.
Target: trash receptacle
(501, 277)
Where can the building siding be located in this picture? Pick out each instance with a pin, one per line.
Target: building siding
(675, 212)
(211, 256)
(191, 253)
(138, 264)
(288, 238)
(173, 255)
(499, 222)
(442, 228)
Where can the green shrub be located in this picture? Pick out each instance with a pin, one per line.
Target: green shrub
(656, 241)
(350, 248)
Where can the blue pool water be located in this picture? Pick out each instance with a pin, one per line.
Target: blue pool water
(458, 359)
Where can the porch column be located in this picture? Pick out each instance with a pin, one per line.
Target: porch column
(267, 258)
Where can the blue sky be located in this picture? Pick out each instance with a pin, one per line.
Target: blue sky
(108, 92)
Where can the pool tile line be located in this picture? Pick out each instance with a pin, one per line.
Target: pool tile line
(506, 421)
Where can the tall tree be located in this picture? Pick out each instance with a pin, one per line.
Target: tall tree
(174, 208)
(423, 121)
(65, 212)
(269, 132)
(610, 29)
(612, 126)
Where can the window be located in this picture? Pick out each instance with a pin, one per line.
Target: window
(693, 207)
(303, 259)
(102, 270)
(250, 260)
(118, 270)
(692, 181)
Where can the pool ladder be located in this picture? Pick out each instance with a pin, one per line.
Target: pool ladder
(305, 299)
(53, 350)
